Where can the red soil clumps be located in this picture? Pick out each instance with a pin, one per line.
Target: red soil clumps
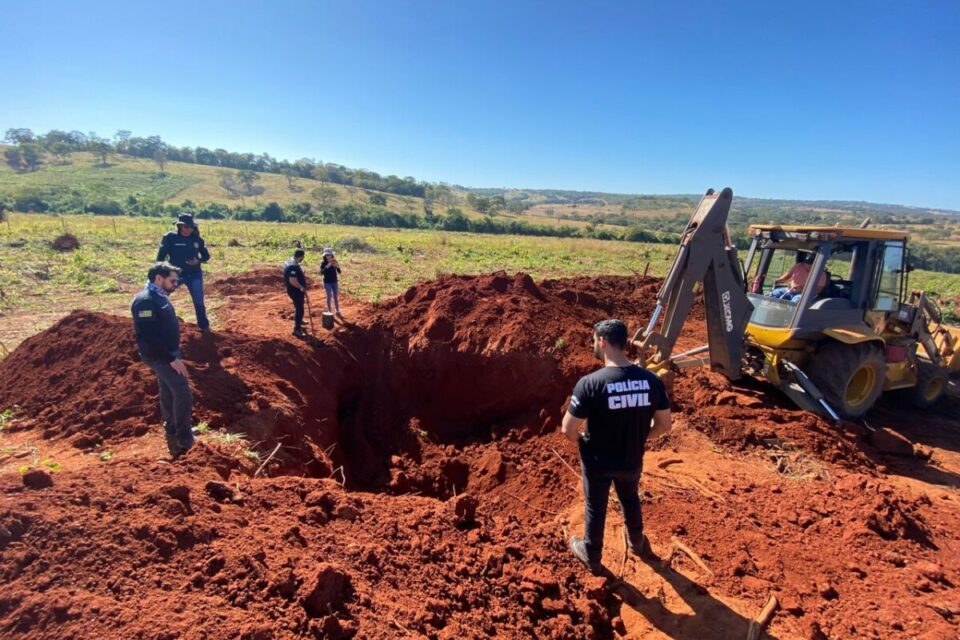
(447, 398)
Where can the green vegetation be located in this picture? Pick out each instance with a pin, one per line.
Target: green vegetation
(39, 284)
(72, 172)
(7, 417)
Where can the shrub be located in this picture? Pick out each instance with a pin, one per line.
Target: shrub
(355, 244)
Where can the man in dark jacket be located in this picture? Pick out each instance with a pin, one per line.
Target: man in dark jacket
(158, 340)
(296, 285)
(185, 249)
(620, 405)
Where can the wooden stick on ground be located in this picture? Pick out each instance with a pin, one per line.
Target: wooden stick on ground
(521, 500)
(623, 565)
(692, 554)
(565, 463)
(663, 464)
(269, 458)
(758, 624)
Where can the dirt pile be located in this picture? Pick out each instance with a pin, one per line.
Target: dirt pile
(447, 398)
(280, 558)
(82, 379)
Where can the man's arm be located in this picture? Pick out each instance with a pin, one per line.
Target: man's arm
(662, 423)
(570, 427)
(787, 276)
(204, 254)
(295, 283)
(162, 252)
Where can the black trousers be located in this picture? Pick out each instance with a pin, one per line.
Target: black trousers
(596, 491)
(297, 296)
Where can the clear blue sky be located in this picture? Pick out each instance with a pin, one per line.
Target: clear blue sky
(814, 100)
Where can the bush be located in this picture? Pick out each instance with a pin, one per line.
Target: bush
(30, 203)
(273, 212)
(355, 244)
(105, 208)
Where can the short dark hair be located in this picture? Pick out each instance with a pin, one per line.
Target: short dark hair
(613, 331)
(299, 253)
(163, 269)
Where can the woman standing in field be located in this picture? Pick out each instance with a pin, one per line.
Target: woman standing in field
(330, 269)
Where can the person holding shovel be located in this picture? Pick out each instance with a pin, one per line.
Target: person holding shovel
(330, 269)
(296, 285)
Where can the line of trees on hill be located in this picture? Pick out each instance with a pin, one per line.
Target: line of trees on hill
(27, 150)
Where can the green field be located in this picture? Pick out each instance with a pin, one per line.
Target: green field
(39, 284)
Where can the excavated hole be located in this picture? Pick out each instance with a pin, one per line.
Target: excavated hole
(400, 422)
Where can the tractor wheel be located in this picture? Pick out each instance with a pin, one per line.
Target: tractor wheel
(931, 385)
(850, 376)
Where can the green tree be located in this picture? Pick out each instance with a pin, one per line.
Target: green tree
(515, 207)
(160, 157)
(100, 147)
(19, 136)
(325, 196)
(455, 220)
(31, 154)
(122, 137)
(273, 212)
(378, 199)
(248, 178)
(291, 175)
(12, 156)
(230, 184)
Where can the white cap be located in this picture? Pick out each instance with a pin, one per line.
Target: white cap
(328, 252)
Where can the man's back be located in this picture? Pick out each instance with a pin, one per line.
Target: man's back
(292, 269)
(618, 404)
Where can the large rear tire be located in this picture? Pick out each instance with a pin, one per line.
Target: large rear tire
(931, 384)
(850, 376)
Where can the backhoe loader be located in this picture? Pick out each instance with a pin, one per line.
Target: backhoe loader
(843, 328)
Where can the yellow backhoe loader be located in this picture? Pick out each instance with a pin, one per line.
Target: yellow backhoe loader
(824, 313)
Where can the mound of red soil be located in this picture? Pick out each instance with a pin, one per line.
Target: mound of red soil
(83, 379)
(161, 551)
(456, 386)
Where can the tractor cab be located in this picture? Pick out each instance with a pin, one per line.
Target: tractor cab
(805, 281)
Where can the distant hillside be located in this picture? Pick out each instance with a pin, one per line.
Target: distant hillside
(74, 173)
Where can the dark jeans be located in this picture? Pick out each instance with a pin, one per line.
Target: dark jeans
(596, 492)
(297, 297)
(193, 280)
(176, 405)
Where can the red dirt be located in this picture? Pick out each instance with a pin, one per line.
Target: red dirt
(439, 410)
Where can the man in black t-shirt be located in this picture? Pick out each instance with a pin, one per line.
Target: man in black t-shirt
(296, 284)
(617, 405)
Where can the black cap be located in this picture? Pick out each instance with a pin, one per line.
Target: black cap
(186, 219)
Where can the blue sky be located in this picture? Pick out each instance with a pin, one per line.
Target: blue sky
(814, 100)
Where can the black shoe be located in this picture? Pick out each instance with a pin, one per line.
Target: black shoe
(579, 549)
(299, 333)
(644, 550)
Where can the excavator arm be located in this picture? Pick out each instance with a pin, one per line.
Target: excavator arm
(709, 258)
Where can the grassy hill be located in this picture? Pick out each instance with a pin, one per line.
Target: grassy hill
(128, 184)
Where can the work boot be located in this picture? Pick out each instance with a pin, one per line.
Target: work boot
(644, 550)
(298, 332)
(579, 549)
